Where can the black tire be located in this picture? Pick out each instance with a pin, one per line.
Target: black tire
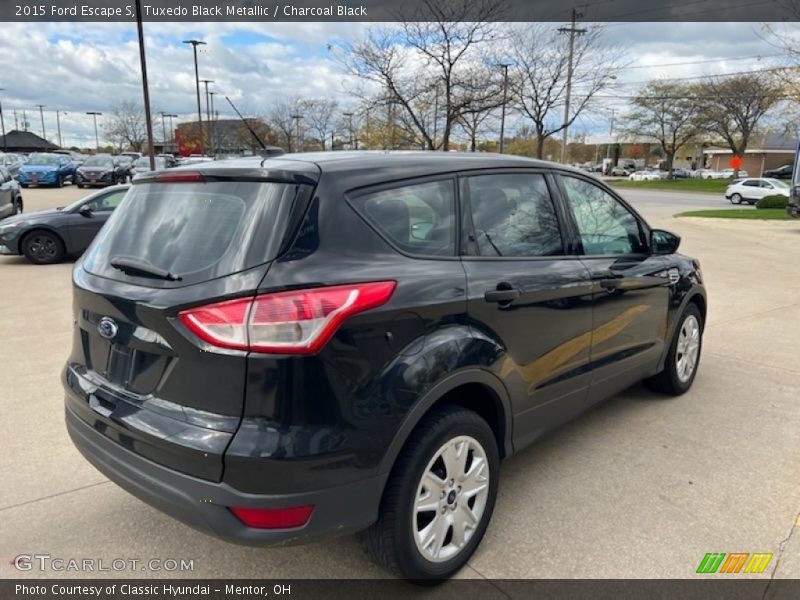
(23, 185)
(43, 247)
(668, 380)
(18, 205)
(60, 181)
(736, 199)
(80, 186)
(390, 542)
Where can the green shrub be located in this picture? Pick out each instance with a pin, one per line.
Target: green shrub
(773, 202)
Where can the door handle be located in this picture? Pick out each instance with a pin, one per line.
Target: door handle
(606, 278)
(506, 295)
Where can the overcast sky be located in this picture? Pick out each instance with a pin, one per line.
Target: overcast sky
(78, 67)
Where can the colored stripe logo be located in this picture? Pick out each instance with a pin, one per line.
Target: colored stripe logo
(734, 562)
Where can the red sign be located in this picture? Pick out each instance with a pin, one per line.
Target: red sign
(736, 162)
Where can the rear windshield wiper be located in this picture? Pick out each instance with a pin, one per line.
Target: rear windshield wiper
(132, 266)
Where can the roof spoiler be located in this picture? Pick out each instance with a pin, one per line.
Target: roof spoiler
(270, 151)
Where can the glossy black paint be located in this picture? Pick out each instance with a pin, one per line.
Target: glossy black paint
(76, 229)
(268, 426)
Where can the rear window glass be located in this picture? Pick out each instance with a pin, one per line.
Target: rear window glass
(417, 218)
(195, 231)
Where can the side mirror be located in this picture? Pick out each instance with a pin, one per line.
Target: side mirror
(85, 210)
(663, 242)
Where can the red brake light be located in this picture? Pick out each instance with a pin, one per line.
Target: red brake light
(273, 518)
(295, 322)
(180, 177)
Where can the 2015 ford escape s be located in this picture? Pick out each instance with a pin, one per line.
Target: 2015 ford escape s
(316, 344)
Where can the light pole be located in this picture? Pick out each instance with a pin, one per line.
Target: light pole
(213, 122)
(504, 66)
(349, 116)
(41, 115)
(208, 110)
(171, 132)
(163, 128)
(58, 126)
(3, 124)
(96, 137)
(297, 129)
(195, 44)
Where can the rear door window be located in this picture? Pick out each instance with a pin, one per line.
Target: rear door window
(513, 215)
(418, 218)
(194, 231)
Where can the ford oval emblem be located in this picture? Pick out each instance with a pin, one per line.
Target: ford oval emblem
(107, 327)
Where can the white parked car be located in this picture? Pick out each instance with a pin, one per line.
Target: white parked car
(752, 189)
(648, 175)
(729, 173)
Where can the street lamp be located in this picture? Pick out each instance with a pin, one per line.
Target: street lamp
(213, 124)
(195, 44)
(503, 66)
(96, 137)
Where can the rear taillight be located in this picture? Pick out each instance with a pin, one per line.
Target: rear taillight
(296, 322)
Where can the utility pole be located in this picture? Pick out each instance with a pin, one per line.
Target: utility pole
(572, 31)
(195, 44)
(3, 123)
(58, 126)
(297, 130)
(41, 114)
(16, 122)
(96, 138)
(503, 66)
(163, 127)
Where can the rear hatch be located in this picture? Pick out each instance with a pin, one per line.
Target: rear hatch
(136, 373)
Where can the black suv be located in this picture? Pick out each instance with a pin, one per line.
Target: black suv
(316, 344)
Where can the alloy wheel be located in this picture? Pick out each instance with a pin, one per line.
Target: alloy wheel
(688, 348)
(451, 499)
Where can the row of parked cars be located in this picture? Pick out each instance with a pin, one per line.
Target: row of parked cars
(49, 236)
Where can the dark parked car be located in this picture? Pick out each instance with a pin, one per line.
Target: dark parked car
(103, 170)
(126, 163)
(309, 345)
(46, 168)
(784, 172)
(48, 236)
(10, 195)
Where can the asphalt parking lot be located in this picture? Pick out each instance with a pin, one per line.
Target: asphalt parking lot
(641, 487)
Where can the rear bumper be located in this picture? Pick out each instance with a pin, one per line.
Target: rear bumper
(204, 504)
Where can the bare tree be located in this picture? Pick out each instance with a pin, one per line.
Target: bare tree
(423, 63)
(667, 112)
(125, 126)
(281, 118)
(319, 115)
(733, 106)
(538, 75)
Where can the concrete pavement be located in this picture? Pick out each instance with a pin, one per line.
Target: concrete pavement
(640, 487)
